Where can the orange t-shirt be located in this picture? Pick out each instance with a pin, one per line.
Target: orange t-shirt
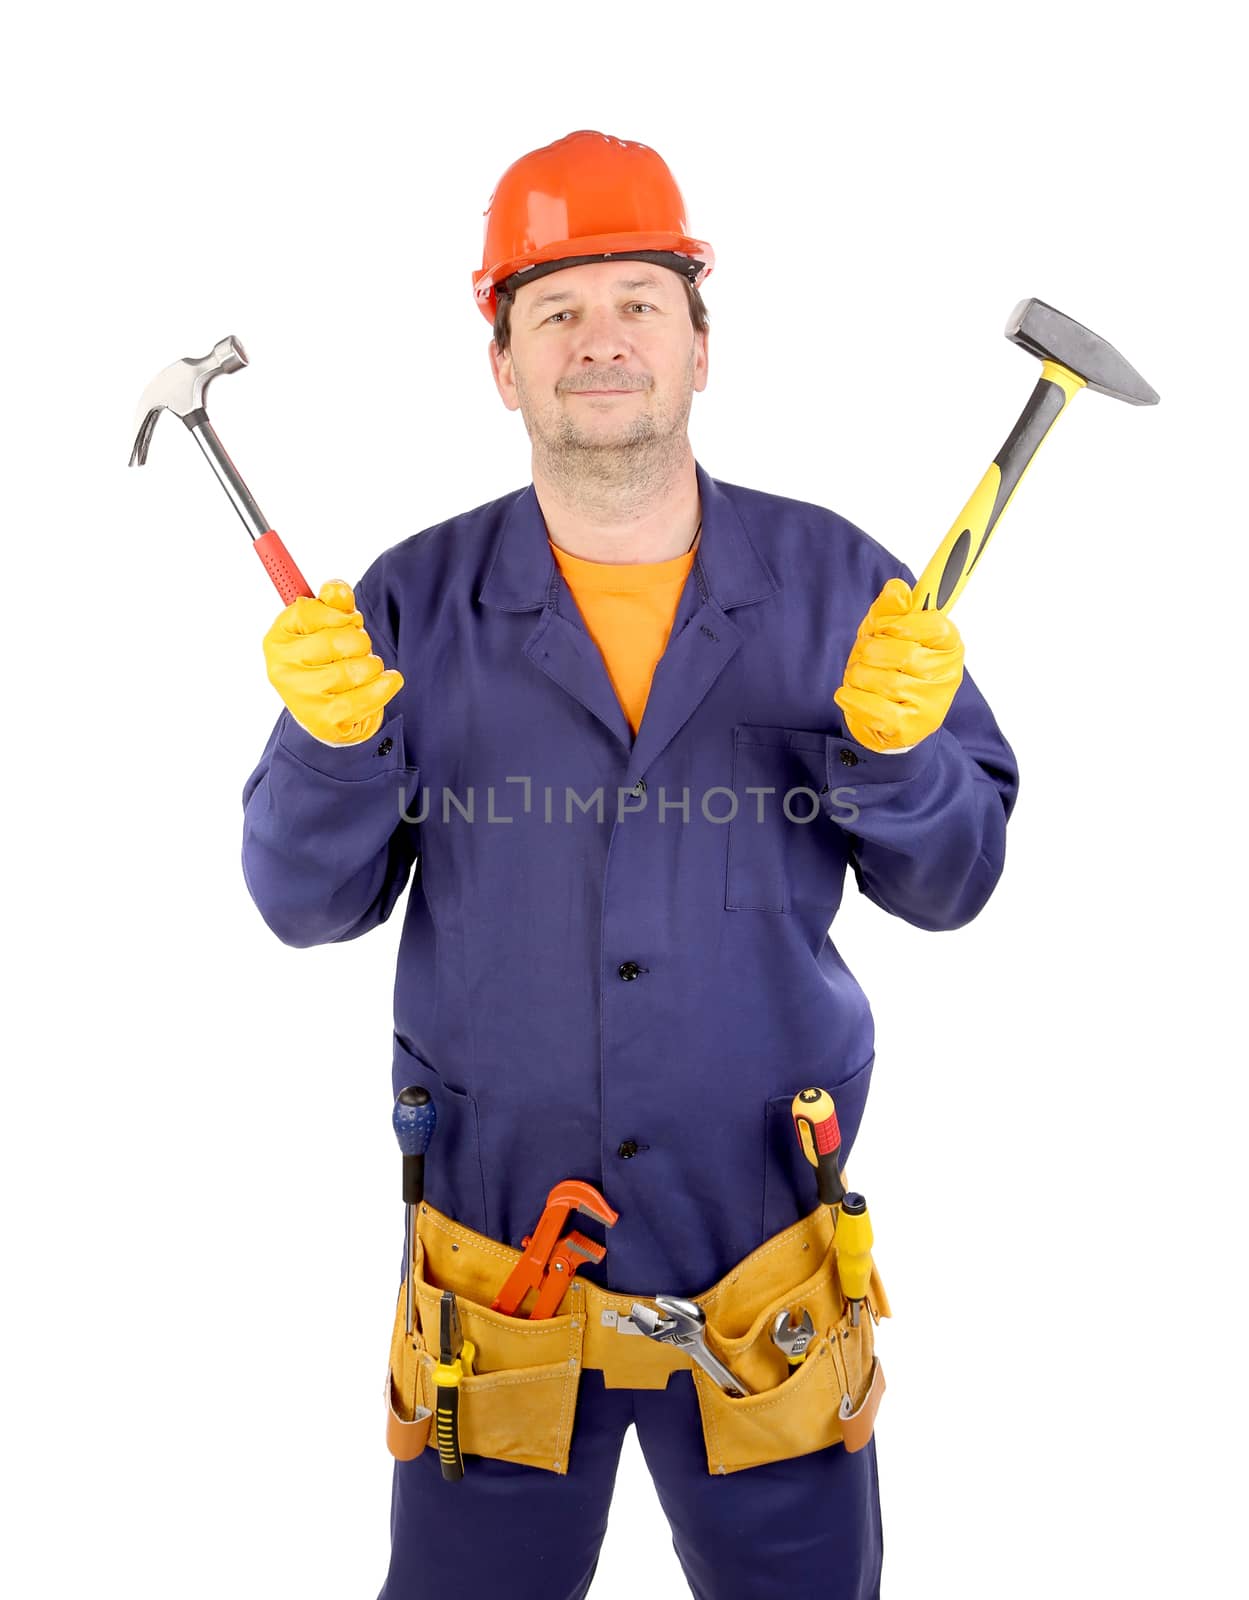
(628, 609)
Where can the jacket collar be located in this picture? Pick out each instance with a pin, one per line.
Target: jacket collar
(523, 573)
(727, 571)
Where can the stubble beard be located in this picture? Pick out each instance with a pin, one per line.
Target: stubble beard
(598, 470)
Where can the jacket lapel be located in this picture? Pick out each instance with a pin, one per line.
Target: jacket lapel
(727, 572)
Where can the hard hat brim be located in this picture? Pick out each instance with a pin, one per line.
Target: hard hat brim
(593, 247)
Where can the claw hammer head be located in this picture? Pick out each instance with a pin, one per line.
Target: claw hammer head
(180, 389)
(1055, 337)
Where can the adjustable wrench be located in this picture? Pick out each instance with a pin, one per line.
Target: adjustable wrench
(793, 1338)
(684, 1324)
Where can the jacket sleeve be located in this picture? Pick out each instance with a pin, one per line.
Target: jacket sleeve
(326, 849)
(927, 828)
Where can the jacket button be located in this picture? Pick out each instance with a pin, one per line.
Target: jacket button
(627, 1149)
(639, 787)
(849, 759)
(386, 746)
(628, 970)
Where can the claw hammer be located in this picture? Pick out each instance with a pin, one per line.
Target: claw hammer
(179, 389)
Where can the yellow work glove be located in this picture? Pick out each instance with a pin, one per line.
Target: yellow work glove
(320, 661)
(903, 671)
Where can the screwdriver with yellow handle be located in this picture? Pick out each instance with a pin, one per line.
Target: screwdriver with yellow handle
(456, 1355)
(815, 1118)
(854, 1251)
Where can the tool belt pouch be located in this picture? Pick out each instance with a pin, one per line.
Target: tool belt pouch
(831, 1395)
(520, 1401)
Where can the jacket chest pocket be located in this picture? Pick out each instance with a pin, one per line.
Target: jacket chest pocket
(783, 849)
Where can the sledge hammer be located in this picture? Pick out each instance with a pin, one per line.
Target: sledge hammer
(1072, 358)
(180, 390)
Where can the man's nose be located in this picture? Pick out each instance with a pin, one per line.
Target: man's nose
(602, 336)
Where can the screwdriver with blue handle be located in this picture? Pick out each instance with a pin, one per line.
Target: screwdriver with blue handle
(413, 1120)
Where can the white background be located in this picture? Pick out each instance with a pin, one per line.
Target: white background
(200, 1183)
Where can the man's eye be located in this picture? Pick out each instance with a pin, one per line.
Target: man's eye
(642, 304)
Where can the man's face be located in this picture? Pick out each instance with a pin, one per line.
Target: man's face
(603, 357)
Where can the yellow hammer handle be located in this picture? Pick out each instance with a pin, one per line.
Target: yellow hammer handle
(946, 575)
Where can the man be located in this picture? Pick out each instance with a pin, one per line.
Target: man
(678, 709)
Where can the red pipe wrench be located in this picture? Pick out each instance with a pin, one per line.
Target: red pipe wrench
(543, 1248)
(567, 1256)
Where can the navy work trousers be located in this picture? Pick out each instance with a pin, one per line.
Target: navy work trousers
(810, 1524)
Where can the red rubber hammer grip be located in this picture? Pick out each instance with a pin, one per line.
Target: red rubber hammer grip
(288, 580)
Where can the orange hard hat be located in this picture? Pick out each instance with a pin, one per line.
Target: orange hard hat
(585, 197)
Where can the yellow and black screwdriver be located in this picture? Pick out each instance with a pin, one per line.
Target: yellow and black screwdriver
(815, 1118)
(854, 1251)
(456, 1355)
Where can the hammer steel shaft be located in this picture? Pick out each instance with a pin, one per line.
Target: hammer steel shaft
(205, 435)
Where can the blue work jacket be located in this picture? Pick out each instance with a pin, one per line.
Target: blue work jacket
(615, 962)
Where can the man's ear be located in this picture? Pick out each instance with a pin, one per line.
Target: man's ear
(701, 360)
(501, 369)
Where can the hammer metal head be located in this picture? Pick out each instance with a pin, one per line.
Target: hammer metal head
(1056, 337)
(180, 389)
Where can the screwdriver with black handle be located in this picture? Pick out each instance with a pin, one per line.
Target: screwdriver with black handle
(413, 1119)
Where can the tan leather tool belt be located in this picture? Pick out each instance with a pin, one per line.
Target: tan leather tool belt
(520, 1402)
